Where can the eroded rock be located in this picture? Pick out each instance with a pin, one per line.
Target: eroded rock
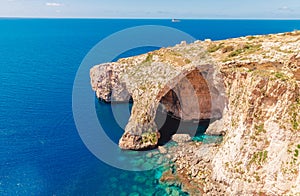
(180, 138)
(252, 86)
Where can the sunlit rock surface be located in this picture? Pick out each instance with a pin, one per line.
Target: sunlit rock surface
(248, 86)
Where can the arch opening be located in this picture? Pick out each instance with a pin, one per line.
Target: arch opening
(169, 125)
(186, 107)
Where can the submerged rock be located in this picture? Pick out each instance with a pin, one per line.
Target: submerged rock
(180, 138)
(162, 150)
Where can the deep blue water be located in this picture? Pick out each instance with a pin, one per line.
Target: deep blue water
(41, 152)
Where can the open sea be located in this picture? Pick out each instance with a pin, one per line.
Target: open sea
(41, 152)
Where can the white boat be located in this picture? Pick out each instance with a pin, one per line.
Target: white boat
(175, 20)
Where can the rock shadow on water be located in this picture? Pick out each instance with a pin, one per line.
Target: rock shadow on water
(170, 125)
(113, 117)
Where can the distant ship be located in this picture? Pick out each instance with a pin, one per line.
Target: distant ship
(175, 20)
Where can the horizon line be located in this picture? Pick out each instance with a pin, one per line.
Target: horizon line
(142, 18)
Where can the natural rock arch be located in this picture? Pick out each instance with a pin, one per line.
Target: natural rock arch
(183, 107)
(199, 96)
(188, 97)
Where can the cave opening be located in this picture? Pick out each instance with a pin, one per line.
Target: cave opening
(186, 107)
(169, 121)
(169, 125)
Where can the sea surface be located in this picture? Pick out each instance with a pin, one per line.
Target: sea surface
(41, 152)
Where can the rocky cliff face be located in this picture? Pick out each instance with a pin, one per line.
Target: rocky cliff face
(149, 79)
(250, 84)
(194, 95)
(262, 141)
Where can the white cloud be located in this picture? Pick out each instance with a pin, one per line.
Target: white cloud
(286, 8)
(53, 4)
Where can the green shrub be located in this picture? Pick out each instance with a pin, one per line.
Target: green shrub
(294, 121)
(248, 48)
(259, 157)
(279, 75)
(214, 47)
(149, 137)
(259, 129)
(251, 38)
(236, 53)
(296, 153)
(148, 58)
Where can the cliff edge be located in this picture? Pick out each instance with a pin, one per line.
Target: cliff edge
(247, 86)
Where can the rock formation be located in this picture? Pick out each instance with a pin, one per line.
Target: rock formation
(190, 90)
(249, 84)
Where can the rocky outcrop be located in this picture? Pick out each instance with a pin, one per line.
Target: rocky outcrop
(105, 82)
(249, 84)
(181, 138)
(165, 76)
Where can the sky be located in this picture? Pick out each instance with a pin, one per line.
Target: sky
(195, 9)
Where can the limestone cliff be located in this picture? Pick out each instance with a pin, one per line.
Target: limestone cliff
(249, 84)
(150, 79)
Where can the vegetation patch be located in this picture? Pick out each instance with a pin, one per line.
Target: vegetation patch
(294, 115)
(296, 153)
(257, 178)
(281, 76)
(149, 58)
(251, 38)
(259, 129)
(149, 137)
(214, 47)
(236, 53)
(169, 56)
(294, 33)
(294, 121)
(259, 157)
(248, 48)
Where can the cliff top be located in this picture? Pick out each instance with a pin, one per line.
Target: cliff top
(273, 52)
(149, 77)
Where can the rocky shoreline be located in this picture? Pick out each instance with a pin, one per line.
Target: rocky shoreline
(249, 84)
(192, 169)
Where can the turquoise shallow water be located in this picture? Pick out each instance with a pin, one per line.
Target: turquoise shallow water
(41, 152)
